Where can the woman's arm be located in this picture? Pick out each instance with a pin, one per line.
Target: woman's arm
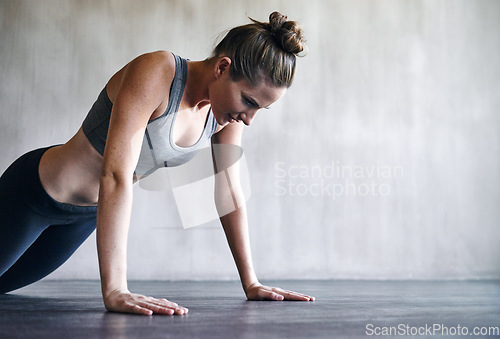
(228, 194)
(142, 89)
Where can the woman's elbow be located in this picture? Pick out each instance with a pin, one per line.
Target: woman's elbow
(228, 199)
(113, 180)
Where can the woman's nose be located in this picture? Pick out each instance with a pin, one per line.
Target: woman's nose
(247, 117)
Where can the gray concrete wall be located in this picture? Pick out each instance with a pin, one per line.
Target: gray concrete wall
(381, 162)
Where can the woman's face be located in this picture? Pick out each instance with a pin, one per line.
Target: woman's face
(235, 101)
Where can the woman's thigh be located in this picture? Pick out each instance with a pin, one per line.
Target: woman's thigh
(37, 233)
(50, 250)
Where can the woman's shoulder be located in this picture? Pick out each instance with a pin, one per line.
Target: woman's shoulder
(159, 56)
(157, 69)
(161, 60)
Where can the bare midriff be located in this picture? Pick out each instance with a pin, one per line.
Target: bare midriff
(70, 173)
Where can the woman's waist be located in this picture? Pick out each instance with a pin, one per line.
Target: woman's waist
(70, 173)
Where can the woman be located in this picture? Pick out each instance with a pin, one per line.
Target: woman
(53, 198)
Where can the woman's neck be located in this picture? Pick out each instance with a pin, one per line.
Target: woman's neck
(198, 80)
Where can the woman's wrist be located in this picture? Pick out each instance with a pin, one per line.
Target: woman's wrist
(250, 285)
(109, 288)
(107, 295)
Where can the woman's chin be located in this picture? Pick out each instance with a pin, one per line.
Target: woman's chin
(221, 121)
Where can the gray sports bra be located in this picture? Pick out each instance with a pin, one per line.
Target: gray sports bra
(158, 148)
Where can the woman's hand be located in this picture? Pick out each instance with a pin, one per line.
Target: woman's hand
(126, 302)
(258, 291)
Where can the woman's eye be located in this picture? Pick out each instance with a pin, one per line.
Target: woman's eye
(249, 103)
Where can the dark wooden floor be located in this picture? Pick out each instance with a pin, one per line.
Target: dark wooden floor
(73, 309)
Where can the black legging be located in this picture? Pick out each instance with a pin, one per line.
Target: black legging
(37, 233)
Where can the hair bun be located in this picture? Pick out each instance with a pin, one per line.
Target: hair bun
(276, 21)
(287, 33)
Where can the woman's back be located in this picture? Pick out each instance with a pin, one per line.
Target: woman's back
(70, 173)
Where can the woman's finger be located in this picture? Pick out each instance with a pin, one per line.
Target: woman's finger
(291, 295)
(273, 296)
(300, 295)
(136, 309)
(167, 302)
(157, 309)
(163, 303)
(167, 307)
(158, 306)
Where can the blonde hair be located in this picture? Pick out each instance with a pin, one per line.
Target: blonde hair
(263, 50)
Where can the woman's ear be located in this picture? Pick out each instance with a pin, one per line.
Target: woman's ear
(221, 66)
